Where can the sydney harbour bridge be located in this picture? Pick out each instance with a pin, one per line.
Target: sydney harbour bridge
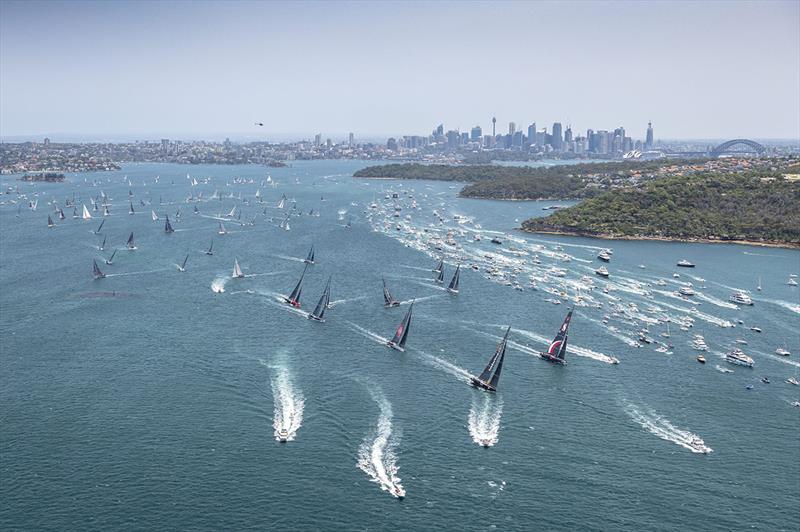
(731, 147)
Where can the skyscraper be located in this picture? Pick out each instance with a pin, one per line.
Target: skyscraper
(476, 133)
(512, 127)
(494, 123)
(648, 143)
(557, 141)
(568, 135)
(317, 140)
(350, 140)
(532, 134)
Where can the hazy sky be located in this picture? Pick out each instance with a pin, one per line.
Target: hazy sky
(203, 69)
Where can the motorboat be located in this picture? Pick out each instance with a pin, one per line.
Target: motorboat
(782, 351)
(755, 329)
(793, 380)
(685, 264)
(701, 359)
(765, 380)
(283, 435)
(736, 356)
(601, 271)
(699, 445)
(686, 290)
(740, 297)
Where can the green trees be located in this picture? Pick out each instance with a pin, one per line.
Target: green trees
(706, 206)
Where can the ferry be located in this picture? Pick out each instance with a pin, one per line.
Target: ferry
(740, 297)
(736, 356)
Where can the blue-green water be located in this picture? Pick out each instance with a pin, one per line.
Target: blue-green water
(145, 400)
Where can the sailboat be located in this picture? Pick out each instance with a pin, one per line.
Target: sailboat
(759, 284)
(110, 260)
(388, 300)
(294, 298)
(237, 271)
(99, 227)
(221, 230)
(453, 287)
(103, 245)
(322, 304)
(440, 276)
(168, 226)
(440, 266)
(491, 374)
(398, 341)
(86, 214)
(154, 216)
(210, 250)
(233, 212)
(282, 201)
(130, 244)
(196, 210)
(182, 267)
(558, 348)
(96, 270)
(50, 222)
(131, 211)
(61, 214)
(106, 212)
(310, 258)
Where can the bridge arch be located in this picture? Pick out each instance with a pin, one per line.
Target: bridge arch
(725, 147)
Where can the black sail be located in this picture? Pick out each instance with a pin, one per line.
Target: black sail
(558, 348)
(502, 351)
(387, 296)
(130, 243)
(310, 257)
(322, 304)
(96, 270)
(454, 281)
(439, 267)
(401, 334)
(168, 226)
(183, 266)
(440, 277)
(295, 295)
(99, 227)
(496, 360)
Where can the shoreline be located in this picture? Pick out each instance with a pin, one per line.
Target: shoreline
(767, 244)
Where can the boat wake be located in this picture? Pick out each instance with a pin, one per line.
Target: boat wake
(376, 455)
(289, 404)
(721, 369)
(343, 301)
(442, 364)
(484, 419)
(218, 284)
(367, 333)
(136, 273)
(661, 427)
(574, 349)
(287, 257)
(416, 299)
(794, 307)
(715, 301)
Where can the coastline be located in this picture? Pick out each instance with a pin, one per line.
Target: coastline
(768, 244)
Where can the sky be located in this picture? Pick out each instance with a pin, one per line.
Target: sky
(697, 70)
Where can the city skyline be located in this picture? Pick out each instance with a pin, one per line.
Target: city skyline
(217, 69)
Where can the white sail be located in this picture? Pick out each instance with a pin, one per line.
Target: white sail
(86, 214)
(237, 271)
(154, 215)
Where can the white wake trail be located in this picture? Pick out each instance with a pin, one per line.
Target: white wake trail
(484, 419)
(376, 455)
(661, 427)
(289, 403)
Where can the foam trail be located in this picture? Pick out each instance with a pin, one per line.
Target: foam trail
(136, 273)
(287, 257)
(778, 358)
(376, 455)
(722, 370)
(442, 364)
(289, 403)
(367, 333)
(715, 301)
(416, 299)
(662, 428)
(785, 304)
(571, 348)
(484, 419)
(416, 268)
(342, 301)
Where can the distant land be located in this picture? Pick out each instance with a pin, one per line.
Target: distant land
(573, 181)
(703, 208)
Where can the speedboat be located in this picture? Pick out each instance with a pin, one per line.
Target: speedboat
(791, 282)
(793, 380)
(685, 264)
(601, 271)
(701, 359)
(755, 329)
(398, 492)
(782, 351)
(765, 380)
(740, 297)
(699, 445)
(283, 435)
(486, 443)
(604, 256)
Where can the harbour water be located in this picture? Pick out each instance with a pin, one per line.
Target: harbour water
(150, 400)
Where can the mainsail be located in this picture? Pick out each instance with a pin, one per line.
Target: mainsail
(558, 347)
(440, 276)
(237, 271)
(490, 376)
(61, 214)
(168, 226)
(453, 288)
(96, 270)
(86, 214)
(221, 230)
(388, 300)
(99, 227)
(130, 244)
(310, 257)
(398, 341)
(182, 267)
(210, 249)
(294, 297)
(322, 304)
(50, 221)
(154, 215)
(131, 211)
(440, 266)
(110, 260)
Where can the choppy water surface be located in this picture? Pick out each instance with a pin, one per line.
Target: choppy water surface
(154, 398)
